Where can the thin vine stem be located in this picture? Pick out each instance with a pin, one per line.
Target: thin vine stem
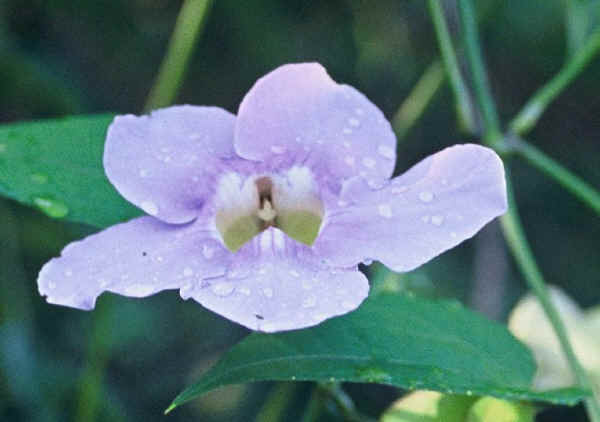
(277, 402)
(492, 134)
(572, 183)
(188, 27)
(413, 107)
(526, 119)
(459, 88)
(510, 223)
(521, 251)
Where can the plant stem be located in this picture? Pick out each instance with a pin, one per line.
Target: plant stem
(464, 107)
(343, 402)
(188, 28)
(533, 109)
(575, 185)
(511, 225)
(314, 406)
(520, 249)
(414, 105)
(278, 400)
(492, 134)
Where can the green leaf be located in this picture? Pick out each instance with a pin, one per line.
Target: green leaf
(391, 339)
(56, 166)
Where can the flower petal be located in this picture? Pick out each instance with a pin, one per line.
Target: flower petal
(165, 162)
(297, 113)
(271, 289)
(434, 206)
(137, 259)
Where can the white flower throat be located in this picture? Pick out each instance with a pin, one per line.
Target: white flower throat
(289, 201)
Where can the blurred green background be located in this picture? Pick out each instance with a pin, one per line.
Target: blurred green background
(127, 360)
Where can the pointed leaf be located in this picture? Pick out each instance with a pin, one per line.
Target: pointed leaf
(56, 166)
(391, 339)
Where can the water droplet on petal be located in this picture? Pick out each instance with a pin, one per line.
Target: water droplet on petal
(102, 282)
(369, 162)
(425, 219)
(318, 316)
(386, 152)
(306, 285)
(346, 304)
(268, 292)
(294, 273)
(359, 111)
(444, 182)
(51, 207)
(385, 210)
(349, 160)
(352, 121)
(139, 290)
(277, 149)
(347, 131)
(342, 203)
(399, 189)
(426, 196)
(149, 207)
(437, 220)
(346, 144)
(244, 290)
(453, 234)
(68, 273)
(187, 271)
(223, 288)
(143, 173)
(207, 252)
(309, 302)
(52, 285)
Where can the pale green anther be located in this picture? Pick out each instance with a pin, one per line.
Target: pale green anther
(241, 231)
(302, 226)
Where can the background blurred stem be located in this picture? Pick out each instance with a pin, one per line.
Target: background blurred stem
(314, 406)
(98, 351)
(519, 247)
(526, 119)
(575, 185)
(343, 402)
(414, 105)
(492, 134)
(459, 88)
(188, 28)
(276, 403)
(511, 225)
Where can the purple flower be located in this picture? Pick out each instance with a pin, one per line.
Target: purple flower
(263, 218)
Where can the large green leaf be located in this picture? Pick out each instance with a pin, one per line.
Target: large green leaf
(391, 339)
(56, 166)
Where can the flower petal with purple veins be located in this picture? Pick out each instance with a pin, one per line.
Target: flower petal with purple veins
(274, 290)
(165, 163)
(298, 114)
(137, 259)
(434, 206)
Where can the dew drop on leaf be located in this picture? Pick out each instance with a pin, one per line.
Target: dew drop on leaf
(51, 207)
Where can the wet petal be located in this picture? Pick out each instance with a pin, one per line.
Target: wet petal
(137, 259)
(271, 289)
(434, 206)
(165, 163)
(297, 113)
